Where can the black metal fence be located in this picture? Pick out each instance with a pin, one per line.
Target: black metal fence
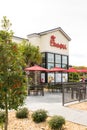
(74, 91)
(36, 89)
(54, 87)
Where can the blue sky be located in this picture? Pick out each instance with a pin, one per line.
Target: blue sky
(33, 16)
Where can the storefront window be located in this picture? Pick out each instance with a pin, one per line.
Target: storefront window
(43, 65)
(50, 77)
(57, 58)
(64, 59)
(58, 65)
(42, 77)
(64, 66)
(50, 57)
(50, 65)
(51, 60)
(58, 77)
(64, 77)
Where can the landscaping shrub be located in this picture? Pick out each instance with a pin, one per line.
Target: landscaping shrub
(56, 122)
(2, 116)
(39, 115)
(2, 119)
(22, 113)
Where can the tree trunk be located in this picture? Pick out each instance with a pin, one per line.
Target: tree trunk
(6, 113)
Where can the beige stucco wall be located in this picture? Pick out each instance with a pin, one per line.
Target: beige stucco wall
(44, 42)
(35, 40)
(17, 39)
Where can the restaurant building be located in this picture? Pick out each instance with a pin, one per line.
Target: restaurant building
(54, 46)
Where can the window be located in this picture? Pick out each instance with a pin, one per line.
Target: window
(50, 77)
(58, 65)
(64, 66)
(43, 65)
(64, 77)
(64, 59)
(50, 65)
(50, 57)
(51, 60)
(58, 77)
(58, 58)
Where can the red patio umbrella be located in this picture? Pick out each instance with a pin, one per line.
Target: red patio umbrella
(57, 69)
(83, 70)
(71, 69)
(36, 68)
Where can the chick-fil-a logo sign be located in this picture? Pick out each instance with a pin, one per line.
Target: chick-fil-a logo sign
(58, 45)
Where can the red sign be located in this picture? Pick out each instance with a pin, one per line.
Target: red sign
(58, 45)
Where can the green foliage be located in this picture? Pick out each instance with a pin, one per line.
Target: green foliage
(39, 116)
(74, 77)
(12, 87)
(11, 76)
(12, 79)
(56, 122)
(6, 23)
(22, 113)
(81, 75)
(2, 117)
(31, 53)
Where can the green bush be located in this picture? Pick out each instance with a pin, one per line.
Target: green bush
(2, 116)
(56, 122)
(22, 113)
(39, 115)
(2, 119)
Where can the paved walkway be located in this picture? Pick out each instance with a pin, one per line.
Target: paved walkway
(52, 102)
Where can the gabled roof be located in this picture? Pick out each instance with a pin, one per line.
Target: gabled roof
(49, 31)
(20, 38)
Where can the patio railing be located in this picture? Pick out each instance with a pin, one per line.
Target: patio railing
(36, 89)
(54, 87)
(74, 91)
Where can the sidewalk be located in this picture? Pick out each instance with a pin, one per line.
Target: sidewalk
(52, 102)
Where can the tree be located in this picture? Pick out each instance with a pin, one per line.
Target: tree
(73, 76)
(12, 86)
(31, 53)
(31, 56)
